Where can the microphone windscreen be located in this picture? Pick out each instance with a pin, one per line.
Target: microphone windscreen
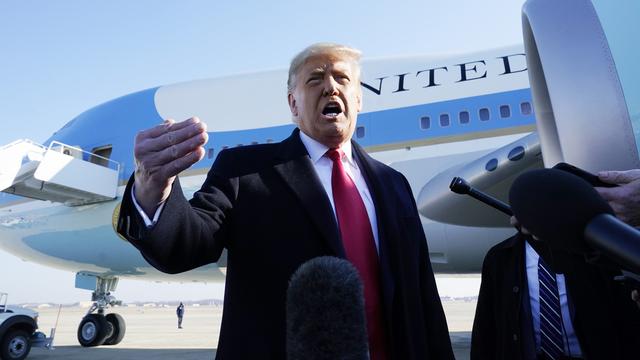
(556, 206)
(325, 312)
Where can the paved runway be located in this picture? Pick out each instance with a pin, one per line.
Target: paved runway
(152, 333)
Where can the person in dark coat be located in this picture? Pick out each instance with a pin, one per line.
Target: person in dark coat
(180, 314)
(275, 206)
(600, 321)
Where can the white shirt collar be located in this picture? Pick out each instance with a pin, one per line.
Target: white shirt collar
(317, 150)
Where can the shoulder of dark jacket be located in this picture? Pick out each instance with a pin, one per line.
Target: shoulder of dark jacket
(245, 159)
(507, 245)
(373, 163)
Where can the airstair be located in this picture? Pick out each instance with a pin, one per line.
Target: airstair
(58, 173)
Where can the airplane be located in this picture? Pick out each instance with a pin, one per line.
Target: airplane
(431, 117)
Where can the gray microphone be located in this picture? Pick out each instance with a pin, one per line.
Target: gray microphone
(325, 312)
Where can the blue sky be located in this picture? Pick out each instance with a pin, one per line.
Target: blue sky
(60, 58)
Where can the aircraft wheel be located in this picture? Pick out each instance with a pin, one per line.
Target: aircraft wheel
(93, 330)
(119, 328)
(15, 345)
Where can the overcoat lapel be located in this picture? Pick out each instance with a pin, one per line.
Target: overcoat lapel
(296, 169)
(382, 201)
(520, 312)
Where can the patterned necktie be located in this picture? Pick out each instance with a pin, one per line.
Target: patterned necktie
(551, 342)
(358, 242)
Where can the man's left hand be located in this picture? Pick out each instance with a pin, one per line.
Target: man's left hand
(624, 199)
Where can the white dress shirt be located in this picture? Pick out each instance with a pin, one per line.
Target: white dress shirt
(147, 221)
(323, 167)
(534, 299)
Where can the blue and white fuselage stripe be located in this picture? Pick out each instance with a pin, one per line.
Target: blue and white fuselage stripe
(117, 122)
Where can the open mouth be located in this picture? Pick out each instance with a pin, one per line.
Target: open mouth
(332, 109)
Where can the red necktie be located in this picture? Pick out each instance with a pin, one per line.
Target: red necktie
(358, 242)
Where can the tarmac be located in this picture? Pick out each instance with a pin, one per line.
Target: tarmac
(152, 333)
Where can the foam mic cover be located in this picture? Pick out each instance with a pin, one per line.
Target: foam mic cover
(556, 206)
(325, 312)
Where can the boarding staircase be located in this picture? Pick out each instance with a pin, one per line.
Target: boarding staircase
(58, 173)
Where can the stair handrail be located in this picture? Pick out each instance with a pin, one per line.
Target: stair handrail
(16, 142)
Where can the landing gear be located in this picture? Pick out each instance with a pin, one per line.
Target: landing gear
(117, 324)
(93, 330)
(96, 328)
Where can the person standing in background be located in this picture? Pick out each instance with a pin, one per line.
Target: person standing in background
(180, 313)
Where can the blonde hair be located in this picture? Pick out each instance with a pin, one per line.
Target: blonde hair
(345, 52)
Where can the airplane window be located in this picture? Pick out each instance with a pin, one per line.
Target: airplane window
(225, 147)
(254, 143)
(491, 164)
(360, 132)
(516, 153)
(269, 141)
(425, 122)
(505, 111)
(484, 114)
(444, 120)
(238, 145)
(525, 108)
(210, 153)
(463, 116)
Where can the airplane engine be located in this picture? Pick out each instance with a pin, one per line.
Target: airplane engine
(582, 68)
(583, 75)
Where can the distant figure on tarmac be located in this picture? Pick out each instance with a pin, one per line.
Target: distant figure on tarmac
(180, 313)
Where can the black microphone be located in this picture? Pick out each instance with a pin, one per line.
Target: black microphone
(568, 214)
(325, 312)
(460, 186)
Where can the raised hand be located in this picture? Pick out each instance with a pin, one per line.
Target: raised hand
(625, 198)
(161, 153)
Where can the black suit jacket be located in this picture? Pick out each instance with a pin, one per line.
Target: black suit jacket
(604, 318)
(266, 206)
